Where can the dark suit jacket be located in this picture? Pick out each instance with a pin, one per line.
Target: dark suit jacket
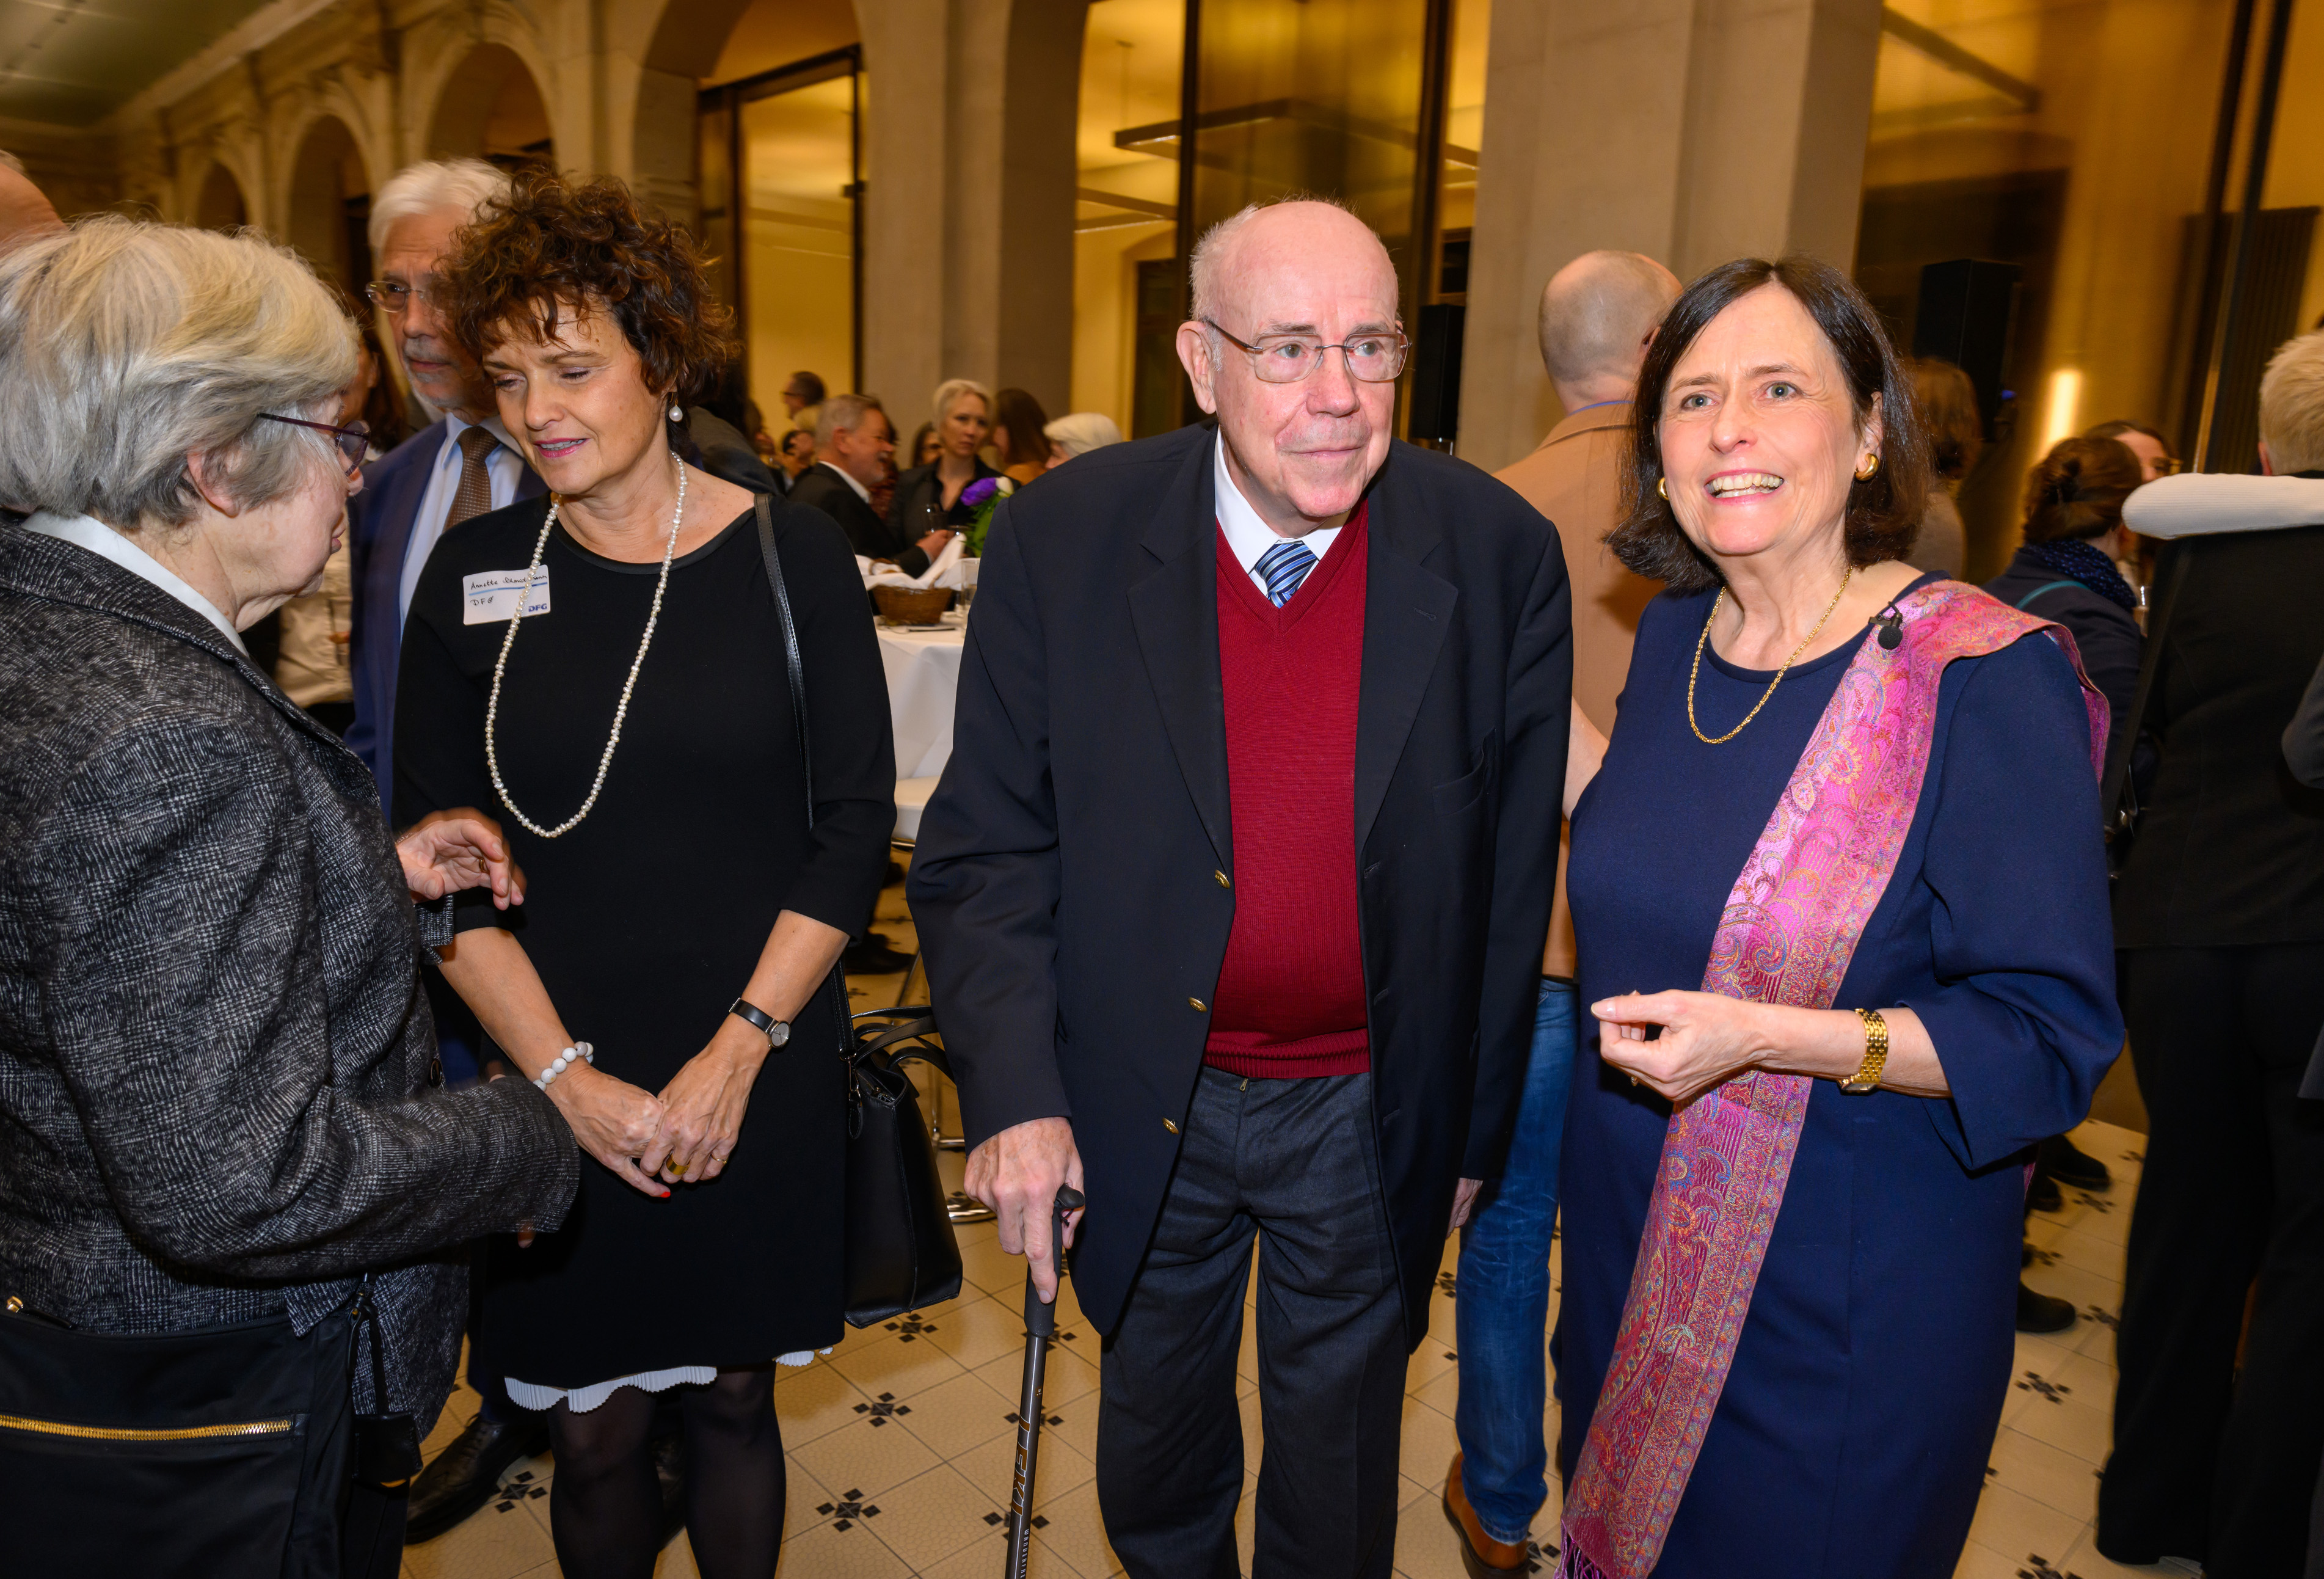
(819, 487)
(2230, 846)
(1067, 884)
(214, 1052)
(379, 529)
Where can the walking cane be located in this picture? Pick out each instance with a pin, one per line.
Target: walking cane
(1040, 1330)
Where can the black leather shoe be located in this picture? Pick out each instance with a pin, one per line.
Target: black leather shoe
(2069, 1164)
(669, 1469)
(464, 1476)
(2038, 1313)
(2043, 1194)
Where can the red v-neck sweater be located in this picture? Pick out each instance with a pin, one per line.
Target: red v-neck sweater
(1290, 999)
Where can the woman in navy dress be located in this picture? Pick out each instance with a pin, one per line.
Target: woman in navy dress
(1777, 475)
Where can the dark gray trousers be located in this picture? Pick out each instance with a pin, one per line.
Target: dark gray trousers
(1294, 1161)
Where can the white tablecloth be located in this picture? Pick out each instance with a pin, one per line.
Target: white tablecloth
(923, 678)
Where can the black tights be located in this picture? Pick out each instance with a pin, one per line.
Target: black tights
(606, 1504)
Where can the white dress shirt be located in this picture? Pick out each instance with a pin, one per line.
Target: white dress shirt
(1248, 536)
(88, 532)
(504, 468)
(862, 492)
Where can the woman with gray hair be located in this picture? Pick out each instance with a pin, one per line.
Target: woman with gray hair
(227, 1184)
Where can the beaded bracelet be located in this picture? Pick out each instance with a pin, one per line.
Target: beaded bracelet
(580, 1050)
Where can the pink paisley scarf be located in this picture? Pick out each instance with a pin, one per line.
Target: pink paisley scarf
(1786, 936)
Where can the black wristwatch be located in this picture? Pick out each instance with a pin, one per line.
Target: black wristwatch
(776, 1032)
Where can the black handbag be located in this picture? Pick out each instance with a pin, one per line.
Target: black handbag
(226, 1450)
(901, 1252)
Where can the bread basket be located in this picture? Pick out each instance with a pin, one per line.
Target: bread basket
(911, 606)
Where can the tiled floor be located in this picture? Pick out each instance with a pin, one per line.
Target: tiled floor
(902, 1443)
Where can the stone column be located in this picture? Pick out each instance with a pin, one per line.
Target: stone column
(1693, 131)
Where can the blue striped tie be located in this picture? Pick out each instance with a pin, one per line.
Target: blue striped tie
(1283, 568)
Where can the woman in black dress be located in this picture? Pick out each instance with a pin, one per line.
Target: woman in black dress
(683, 920)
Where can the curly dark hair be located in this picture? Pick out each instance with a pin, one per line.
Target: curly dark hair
(1884, 511)
(2077, 490)
(549, 246)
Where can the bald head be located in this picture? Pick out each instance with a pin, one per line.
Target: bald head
(1597, 315)
(1299, 451)
(24, 211)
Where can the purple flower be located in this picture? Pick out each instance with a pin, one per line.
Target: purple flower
(979, 493)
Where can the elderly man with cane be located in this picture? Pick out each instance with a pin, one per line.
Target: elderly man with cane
(1234, 893)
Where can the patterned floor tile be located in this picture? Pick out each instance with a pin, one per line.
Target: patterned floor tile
(1066, 1377)
(864, 1458)
(993, 1469)
(814, 1401)
(930, 1516)
(2011, 1521)
(856, 1552)
(1978, 1562)
(1442, 1394)
(897, 1367)
(2050, 1475)
(1070, 1525)
(2086, 1430)
(958, 1415)
(1428, 1445)
(1429, 1361)
(976, 1331)
(490, 1545)
(1426, 1545)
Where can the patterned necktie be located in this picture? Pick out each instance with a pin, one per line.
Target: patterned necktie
(474, 496)
(1283, 568)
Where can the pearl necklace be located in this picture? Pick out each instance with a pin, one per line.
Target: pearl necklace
(492, 709)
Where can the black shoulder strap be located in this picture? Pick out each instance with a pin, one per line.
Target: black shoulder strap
(790, 641)
(2171, 572)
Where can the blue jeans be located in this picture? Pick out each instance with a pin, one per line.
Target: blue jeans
(1501, 1304)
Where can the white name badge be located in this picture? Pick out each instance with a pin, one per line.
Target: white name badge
(491, 597)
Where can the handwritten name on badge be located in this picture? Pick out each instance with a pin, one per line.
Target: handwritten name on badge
(490, 597)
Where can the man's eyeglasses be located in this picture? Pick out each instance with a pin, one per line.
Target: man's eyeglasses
(1374, 358)
(354, 442)
(395, 296)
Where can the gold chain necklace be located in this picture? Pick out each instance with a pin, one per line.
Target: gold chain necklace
(1703, 640)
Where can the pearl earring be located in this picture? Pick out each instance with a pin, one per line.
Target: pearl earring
(676, 413)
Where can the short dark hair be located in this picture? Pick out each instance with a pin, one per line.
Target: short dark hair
(1884, 510)
(809, 386)
(549, 245)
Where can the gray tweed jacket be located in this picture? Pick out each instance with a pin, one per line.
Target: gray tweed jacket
(215, 1058)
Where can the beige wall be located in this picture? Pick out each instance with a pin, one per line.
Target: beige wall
(1694, 130)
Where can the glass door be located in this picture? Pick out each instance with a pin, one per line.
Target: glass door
(782, 189)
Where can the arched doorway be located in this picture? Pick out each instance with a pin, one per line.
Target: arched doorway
(330, 204)
(221, 206)
(491, 108)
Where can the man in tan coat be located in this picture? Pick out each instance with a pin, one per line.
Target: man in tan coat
(1597, 315)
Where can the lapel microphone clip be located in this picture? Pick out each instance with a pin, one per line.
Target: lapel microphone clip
(1891, 621)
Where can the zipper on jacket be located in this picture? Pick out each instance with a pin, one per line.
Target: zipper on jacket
(281, 1427)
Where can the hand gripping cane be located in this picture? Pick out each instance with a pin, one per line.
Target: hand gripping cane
(1040, 1330)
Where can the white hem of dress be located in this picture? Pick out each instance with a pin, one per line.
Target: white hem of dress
(527, 1395)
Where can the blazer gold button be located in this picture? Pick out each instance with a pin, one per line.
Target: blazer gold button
(1223, 878)
(1170, 1126)
(1198, 1006)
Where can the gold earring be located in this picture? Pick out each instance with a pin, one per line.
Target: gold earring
(1661, 487)
(1871, 468)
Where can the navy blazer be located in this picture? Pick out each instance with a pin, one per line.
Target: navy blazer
(1073, 878)
(379, 531)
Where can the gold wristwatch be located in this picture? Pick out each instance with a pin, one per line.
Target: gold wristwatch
(1876, 1055)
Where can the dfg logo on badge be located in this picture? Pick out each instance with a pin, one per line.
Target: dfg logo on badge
(490, 595)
